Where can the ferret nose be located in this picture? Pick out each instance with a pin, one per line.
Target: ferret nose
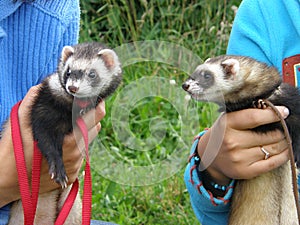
(185, 86)
(73, 89)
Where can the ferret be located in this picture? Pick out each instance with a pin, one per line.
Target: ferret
(239, 82)
(86, 74)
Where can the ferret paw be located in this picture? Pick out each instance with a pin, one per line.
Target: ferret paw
(259, 104)
(59, 176)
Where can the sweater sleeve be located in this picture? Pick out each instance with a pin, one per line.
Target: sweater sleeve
(32, 36)
(208, 209)
(31, 41)
(68, 33)
(4, 214)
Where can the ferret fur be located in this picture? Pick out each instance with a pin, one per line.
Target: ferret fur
(86, 74)
(238, 82)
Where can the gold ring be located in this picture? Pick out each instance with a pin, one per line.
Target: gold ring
(267, 154)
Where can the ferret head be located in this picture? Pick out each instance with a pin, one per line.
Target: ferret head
(89, 70)
(230, 78)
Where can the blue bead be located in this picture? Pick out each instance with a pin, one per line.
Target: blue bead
(219, 187)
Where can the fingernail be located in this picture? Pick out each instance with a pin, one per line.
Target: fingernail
(98, 127)
(286, 112)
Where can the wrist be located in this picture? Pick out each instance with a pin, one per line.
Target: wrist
(216, 189)
(209, 183)
(215, 174)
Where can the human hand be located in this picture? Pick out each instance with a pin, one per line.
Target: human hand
(230, 150)
(72, 150)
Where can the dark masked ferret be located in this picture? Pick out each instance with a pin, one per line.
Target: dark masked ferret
(86, 74)
(238, 82)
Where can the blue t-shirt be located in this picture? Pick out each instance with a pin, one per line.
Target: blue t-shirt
(268, 31)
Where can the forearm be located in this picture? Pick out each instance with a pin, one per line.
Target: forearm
(230, 150)
(203, 203)
(9, 190)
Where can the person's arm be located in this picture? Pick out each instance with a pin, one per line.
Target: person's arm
(230, 150)
(72, 156)
(59, 27)
(238, 153)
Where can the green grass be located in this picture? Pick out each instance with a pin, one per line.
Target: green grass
(140, 155)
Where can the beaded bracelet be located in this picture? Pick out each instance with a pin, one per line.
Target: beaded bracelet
(218, 186)
(216, 189)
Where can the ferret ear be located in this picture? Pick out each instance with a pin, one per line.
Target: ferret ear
(207, 60)
(231, 67)
(109, 57)
(66, 53)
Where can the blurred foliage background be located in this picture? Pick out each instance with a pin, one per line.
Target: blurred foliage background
(200, 27)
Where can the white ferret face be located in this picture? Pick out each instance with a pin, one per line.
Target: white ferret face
(86, 70)
(87, 77)
(212, 80)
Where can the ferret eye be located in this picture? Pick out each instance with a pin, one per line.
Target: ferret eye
(206, 75)
(92, 74)
(68, 72)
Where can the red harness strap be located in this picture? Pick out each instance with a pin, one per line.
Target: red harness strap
(29, 199)
(87, 186)
(65, 210)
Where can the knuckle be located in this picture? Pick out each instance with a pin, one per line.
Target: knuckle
(275, 149)
(230, 143)
(276, 136)
(100, 112)
(271, 165)
(255, 118)
(234, 158)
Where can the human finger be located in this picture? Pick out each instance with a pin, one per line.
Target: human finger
(251, 118)
(29, 97)
(255, 154)
(73, 159)
(263, 166)
(274, 149)
(92, 134)
(94, 116)
(250, 139)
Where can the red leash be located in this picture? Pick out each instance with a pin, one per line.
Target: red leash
(29, 199)
(87, 186)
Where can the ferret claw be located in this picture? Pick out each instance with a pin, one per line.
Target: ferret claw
(58, 174)
(63, 181)
(64, 185)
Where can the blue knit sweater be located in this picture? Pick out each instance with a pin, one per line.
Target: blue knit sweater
(31, 38)
(268, 31)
